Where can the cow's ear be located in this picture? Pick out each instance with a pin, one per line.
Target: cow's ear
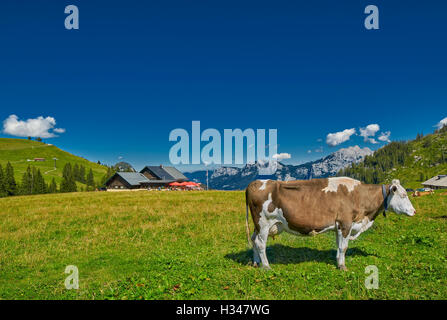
(396, 181)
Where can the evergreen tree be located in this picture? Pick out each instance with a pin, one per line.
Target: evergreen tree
(27, 182)
(82, 174)
(107, 176)
(76, 172)
(90, 181)
(68, 183)
(421, 177)
(52, 188)
(39, 186)
(10, 182)
(3, 192)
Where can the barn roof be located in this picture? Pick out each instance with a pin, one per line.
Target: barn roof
(175, 173)
(133, 178)
(438, 181)
(165, 173)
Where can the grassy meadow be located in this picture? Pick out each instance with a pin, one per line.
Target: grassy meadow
(192, 245)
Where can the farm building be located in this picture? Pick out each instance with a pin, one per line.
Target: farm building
(437, 182)
(149, 177)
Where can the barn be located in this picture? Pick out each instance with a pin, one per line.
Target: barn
(126, 180)
(437, 182)
(148, 177)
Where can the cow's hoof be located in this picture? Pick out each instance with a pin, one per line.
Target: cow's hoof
(343, 268)
(255, 264)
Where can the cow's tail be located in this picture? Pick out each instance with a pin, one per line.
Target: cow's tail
(247, 228)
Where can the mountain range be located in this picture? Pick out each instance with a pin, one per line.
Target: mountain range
(235, 178)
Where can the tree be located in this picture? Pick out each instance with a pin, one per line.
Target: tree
(90, 180)
(82, 174)
(421, 177)
(3, 192)
(10, 182)
(52, 188)
(39, 139)
(68, 183)
(107, 176)
(76, 174)
(39, 186)
(27, 182)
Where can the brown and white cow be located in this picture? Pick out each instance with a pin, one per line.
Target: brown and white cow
(310, 207)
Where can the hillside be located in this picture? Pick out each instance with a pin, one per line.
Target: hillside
(411, 162)
(21, 153)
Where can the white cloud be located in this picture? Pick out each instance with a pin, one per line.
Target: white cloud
(334, 139)
(38, 127)
(281, 156)
(385, 136)
(59, 130)
(319, 149)
(309, 151)
(369, 132)
(442, 123)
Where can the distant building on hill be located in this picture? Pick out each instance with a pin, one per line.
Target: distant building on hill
(149, 177)
(437, 182)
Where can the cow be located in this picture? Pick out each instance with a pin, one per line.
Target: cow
(422, 193)
(311, 207)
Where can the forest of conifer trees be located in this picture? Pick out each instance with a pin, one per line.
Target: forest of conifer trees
(33, 182)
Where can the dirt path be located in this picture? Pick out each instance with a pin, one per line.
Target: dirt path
(50, 171)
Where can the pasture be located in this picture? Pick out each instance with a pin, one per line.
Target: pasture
(192, 245)
(21, 152)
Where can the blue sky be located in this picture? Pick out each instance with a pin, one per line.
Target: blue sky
(136, 70)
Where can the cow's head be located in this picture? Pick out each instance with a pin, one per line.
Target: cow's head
(398, 200)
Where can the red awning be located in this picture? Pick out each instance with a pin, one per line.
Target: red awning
(192, 184)
(184, 184)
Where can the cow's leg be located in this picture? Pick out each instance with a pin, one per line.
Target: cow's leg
(261, 244)
(336, 242)
(342, 246)
(256, 258)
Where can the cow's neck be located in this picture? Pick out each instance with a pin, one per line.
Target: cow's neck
(377, 201)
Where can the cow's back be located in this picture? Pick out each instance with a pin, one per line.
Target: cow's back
(308, 206)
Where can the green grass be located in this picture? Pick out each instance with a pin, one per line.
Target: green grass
(18, 151)
(192, 245)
